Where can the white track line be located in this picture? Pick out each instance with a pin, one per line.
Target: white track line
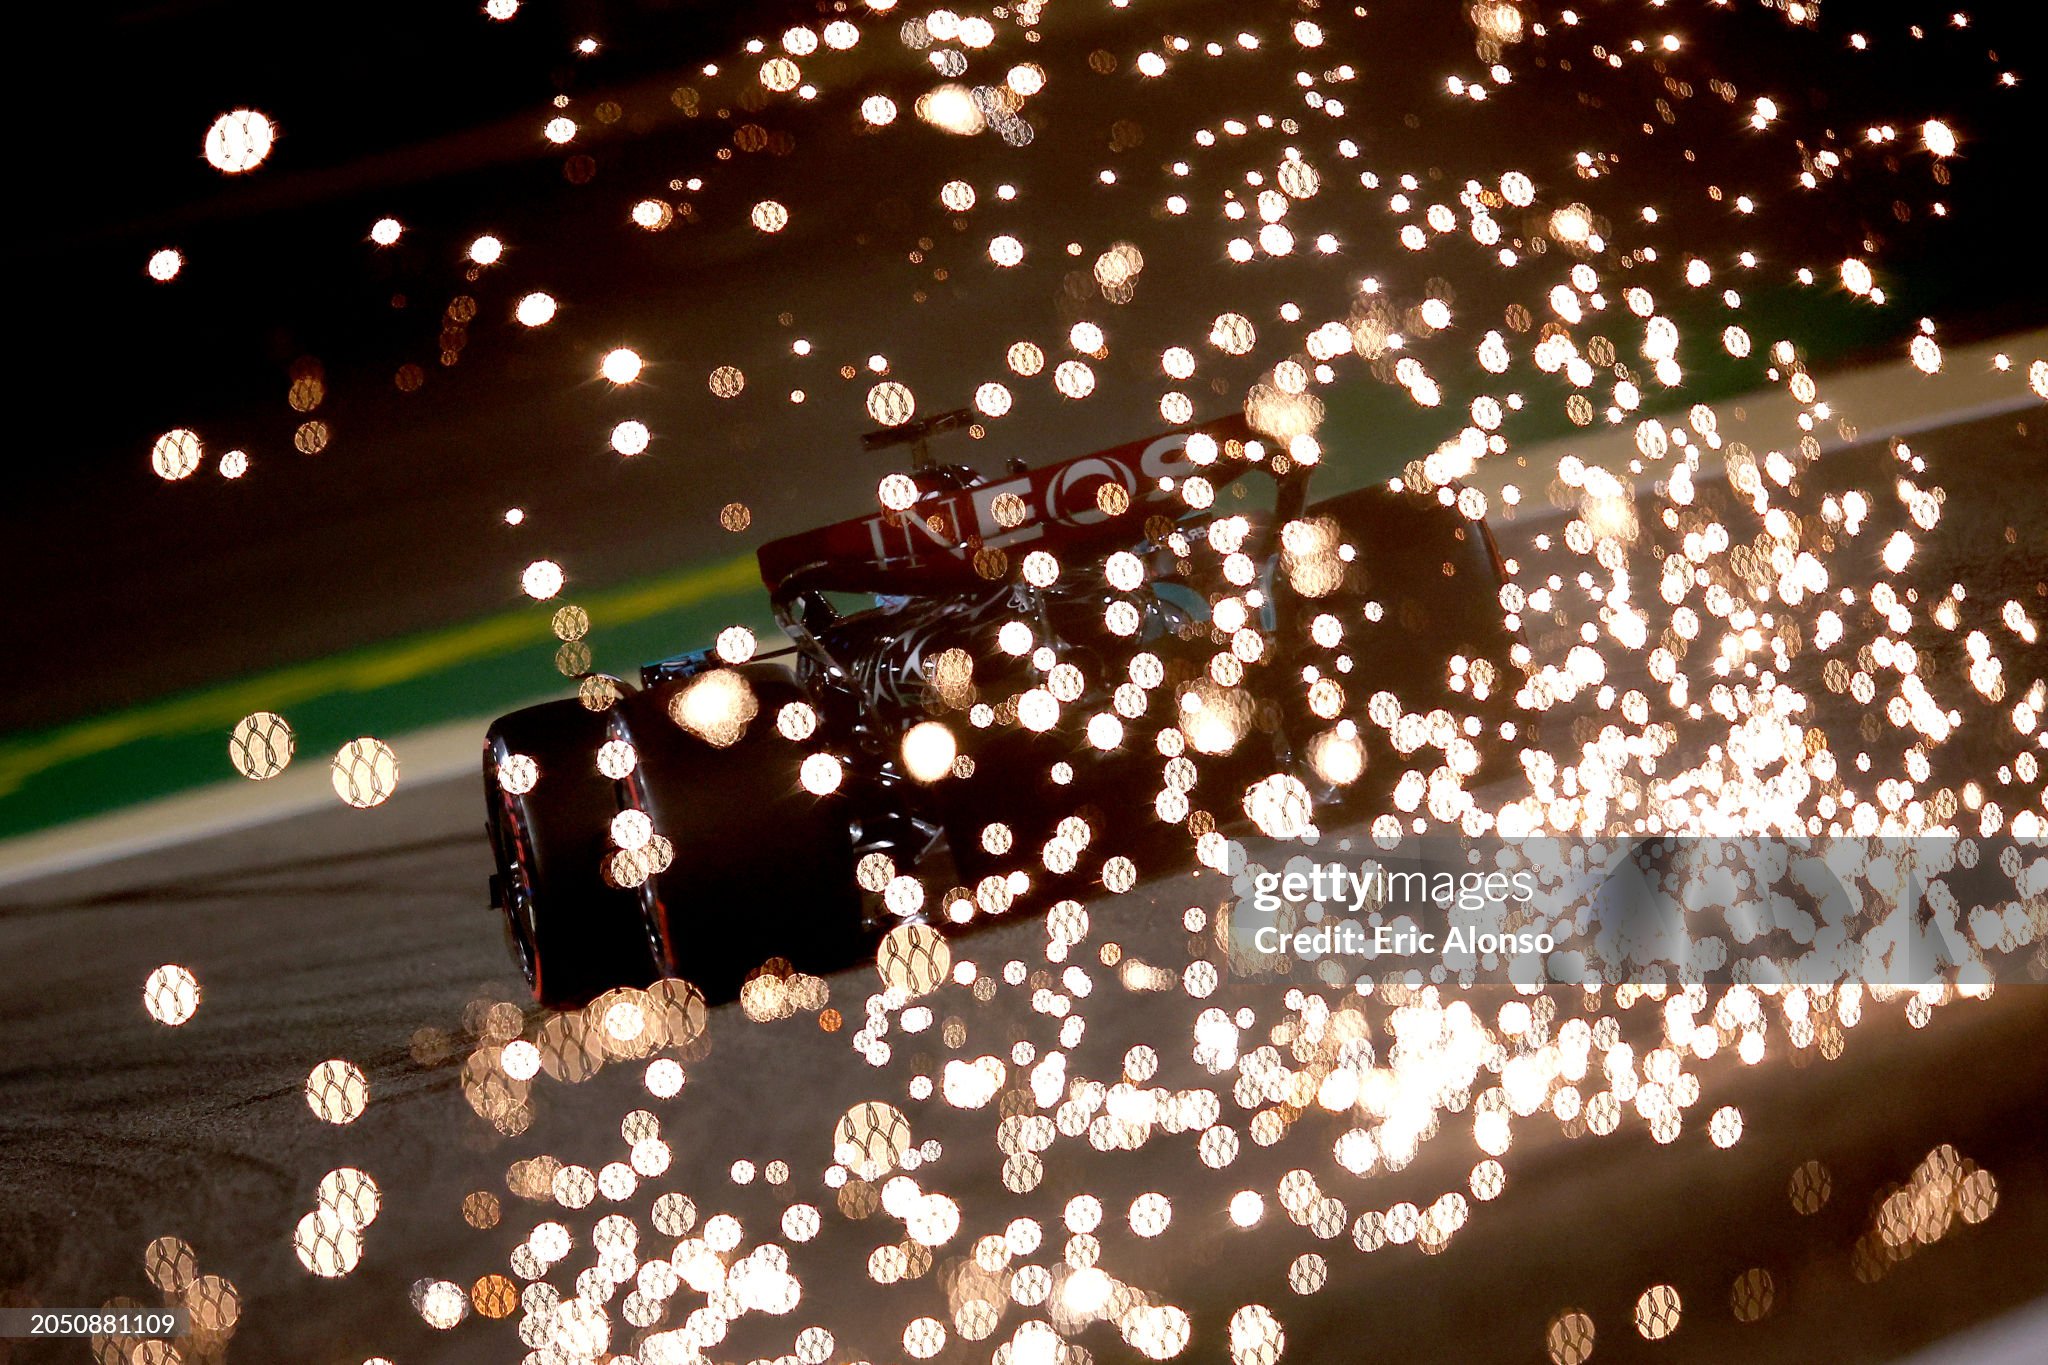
(1883, 401)
(437, 754)
(2014, 1339)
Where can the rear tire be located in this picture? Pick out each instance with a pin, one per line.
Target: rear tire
(762, 869)
(573, 935)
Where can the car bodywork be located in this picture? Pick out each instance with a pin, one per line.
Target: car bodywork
(744, 861)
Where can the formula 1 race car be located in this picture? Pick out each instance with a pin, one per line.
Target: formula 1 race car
(1000, 692)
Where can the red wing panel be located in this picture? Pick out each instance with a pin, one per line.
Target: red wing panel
(930, 547)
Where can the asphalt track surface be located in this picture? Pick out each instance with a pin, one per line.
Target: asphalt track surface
(344, 933)
(341, 933)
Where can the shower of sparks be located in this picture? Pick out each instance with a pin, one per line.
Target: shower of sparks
(239, 141)
(1721, 633)
(171, 994)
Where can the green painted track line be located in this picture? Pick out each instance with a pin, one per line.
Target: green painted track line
(495, 663)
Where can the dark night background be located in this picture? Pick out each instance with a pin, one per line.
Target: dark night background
(129, 589)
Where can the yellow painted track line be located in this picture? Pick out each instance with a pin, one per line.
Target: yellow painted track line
(363, 670)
